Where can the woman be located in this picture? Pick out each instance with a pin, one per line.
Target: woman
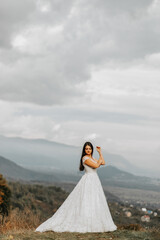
(85, 209)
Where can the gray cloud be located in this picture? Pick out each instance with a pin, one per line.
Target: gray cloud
(13, 17)
(49, 48)
(64, 114)
(96, 62)
(16, 16)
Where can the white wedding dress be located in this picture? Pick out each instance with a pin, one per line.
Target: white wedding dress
(84, 210)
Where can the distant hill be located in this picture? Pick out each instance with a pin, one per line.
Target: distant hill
(109, 175)
(48, 156)
(39, 154)
(13, 171)
(112, 176)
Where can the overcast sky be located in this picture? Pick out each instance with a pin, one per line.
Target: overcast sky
(79, 70)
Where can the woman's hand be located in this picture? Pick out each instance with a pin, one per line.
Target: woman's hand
(100, 154)
(98, 149)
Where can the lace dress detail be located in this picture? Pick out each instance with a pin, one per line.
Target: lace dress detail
(84, 210)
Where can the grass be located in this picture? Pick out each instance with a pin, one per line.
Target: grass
(116, 235)
(124, 232)
(21, 225)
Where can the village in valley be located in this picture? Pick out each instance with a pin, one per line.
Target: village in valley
(136, 213)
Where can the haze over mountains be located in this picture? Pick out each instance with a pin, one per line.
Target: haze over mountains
(48, 156)
(110, 176)
(13, 171)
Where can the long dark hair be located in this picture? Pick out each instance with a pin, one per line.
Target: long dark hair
(81, 167)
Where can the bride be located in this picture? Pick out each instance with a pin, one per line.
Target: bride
(86, 208)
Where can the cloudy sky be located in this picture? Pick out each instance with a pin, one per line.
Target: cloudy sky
(78, 70)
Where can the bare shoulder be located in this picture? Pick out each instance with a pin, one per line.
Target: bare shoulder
(85, 157)
(90, 162)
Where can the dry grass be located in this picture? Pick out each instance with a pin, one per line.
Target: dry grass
(21, 226)
(19, 220)
(116, 235)
(135, 227)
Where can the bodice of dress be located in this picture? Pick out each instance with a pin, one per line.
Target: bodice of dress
(87, 168)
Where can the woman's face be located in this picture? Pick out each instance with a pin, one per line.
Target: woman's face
(88, 150)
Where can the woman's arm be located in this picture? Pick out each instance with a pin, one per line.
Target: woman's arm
(100, 155)
(93, 164)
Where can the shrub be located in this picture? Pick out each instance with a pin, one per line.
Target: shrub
(5, 195)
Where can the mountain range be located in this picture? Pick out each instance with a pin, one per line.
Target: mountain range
(109, 175)
(47, 156)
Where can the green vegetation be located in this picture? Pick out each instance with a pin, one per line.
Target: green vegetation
(41, 200)
(5, 194)
(31, 204)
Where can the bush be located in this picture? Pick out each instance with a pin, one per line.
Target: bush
(5, 195)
